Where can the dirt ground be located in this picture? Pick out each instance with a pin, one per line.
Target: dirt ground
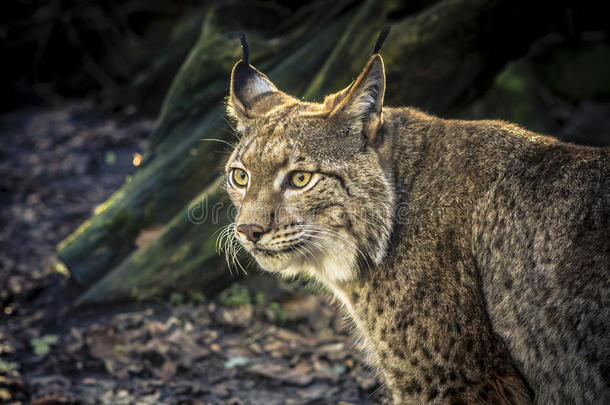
(56, 164)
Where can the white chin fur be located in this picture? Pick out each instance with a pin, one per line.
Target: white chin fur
(328, 268)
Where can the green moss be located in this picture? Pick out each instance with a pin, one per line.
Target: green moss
(42, 345)
(197, 297)
(176, 298)
(260, 299)
(235, 295)
(511, 81)
(281, 315)
(513, 97)
(6, 366)
(74, 235)
(577, 73)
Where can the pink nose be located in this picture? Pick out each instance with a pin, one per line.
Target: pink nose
(252, 232)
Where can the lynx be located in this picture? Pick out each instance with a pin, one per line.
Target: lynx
(472, 256)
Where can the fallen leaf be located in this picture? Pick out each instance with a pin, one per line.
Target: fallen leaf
(168, 371)
(53, 399)
(237, 361)
(281, 373)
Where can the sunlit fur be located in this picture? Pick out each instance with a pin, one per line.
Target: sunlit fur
(310, 230)
(473, 257)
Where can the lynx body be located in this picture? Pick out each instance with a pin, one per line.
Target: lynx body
(473, 257)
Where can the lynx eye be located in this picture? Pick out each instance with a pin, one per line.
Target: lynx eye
(299, 179)
(240, 177)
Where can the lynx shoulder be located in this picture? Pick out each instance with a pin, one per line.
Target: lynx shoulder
(473, 257)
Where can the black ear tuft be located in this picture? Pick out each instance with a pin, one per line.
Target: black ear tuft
(247, 85)
(244, 47)
(379, 43)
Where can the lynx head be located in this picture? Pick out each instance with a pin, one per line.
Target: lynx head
(307, 179)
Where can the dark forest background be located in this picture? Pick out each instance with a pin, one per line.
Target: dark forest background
(110, 292)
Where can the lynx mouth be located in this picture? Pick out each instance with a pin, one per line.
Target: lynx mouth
(273, 252)
(280, 260)
(306, 255)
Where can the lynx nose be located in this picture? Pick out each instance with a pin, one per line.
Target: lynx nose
(252, 231)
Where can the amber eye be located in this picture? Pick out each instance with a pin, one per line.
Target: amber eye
(240, 177)
(299, 179)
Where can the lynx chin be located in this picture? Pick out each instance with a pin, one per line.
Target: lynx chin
(473, 256)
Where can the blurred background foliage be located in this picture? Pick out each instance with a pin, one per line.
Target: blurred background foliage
(129, 51)
(74, 48)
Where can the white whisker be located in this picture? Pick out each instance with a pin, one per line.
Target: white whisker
(218, 140)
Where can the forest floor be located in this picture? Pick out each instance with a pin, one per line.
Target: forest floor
(56, 165)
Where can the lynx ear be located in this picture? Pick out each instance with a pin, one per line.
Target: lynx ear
(361, 103)
(247, 85)
(249, 89)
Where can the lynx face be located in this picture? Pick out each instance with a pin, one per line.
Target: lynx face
(310, 191)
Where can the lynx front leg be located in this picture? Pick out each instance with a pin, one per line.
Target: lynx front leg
(432, 340)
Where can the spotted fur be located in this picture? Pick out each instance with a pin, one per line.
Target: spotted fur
(472, 256)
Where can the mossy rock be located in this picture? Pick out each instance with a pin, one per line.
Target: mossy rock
(577, 72)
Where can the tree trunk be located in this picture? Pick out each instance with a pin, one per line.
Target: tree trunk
(435, 59)
(179, 259)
